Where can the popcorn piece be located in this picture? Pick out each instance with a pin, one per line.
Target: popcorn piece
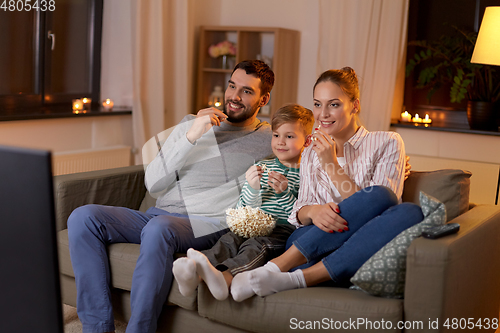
(264, 168)
(249, 222)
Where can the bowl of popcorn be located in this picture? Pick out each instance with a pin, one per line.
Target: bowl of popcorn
(249, 222)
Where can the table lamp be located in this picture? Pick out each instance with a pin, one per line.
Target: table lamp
(487, 49)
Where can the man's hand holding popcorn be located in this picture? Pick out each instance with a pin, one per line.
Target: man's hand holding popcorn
(205, 119)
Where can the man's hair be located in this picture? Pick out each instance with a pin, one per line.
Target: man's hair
(292, 113)
(261, 70)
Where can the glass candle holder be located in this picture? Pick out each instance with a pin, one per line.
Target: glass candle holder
(77, 106)
(87, 103)
(107, 105)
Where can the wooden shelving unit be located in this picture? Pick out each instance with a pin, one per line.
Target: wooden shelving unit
(282, 46)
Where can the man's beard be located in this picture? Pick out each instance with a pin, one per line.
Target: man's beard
(242, 115)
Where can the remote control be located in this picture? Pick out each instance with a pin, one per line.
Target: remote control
(443, 230)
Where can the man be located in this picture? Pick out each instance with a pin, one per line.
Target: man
(196, 176)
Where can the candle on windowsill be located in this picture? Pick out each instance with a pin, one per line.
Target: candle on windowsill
(417, 119)
(427, 120)
(86, 103)
(77, 106)
(405, 117)
(107, 105)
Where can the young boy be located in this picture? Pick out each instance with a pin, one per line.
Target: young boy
(271, 185)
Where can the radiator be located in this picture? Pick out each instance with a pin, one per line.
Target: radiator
(90, 159)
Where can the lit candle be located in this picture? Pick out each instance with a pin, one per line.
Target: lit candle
(427, 120)
(107, 104)
(77, 105)
(417, 119)
(86, 103)
(405, 116)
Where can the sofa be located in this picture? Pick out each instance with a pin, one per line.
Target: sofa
(448, 280)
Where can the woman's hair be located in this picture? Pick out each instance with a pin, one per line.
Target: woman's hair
(292, 113)
(345, 78)
(261, 70)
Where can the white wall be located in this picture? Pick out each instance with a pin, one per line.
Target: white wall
(68, 134)
(116, 53)
(301, 15)
(433, 150)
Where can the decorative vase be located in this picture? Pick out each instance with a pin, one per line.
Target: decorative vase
(227, 62)
(481, 116)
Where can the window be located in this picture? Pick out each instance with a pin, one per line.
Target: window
(429, 20)
(50, 57)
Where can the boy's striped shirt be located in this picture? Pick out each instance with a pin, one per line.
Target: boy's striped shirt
(278, 205)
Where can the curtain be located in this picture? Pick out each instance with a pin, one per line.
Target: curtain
(370, 37)
(161, 72)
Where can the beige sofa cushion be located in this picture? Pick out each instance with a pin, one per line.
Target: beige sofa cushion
(449, 186)
(123, 187)
(282, 312)
(122, 259)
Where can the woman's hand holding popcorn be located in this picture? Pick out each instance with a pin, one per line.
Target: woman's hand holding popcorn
(325, 148)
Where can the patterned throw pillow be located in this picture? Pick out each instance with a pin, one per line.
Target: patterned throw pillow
(384, 273)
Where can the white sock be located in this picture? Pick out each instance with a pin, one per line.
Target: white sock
(184, 270)
(270, 266)
(240, 286)
(211, 275)
(265, 282)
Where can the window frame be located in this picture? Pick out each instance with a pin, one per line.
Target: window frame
(42, 102)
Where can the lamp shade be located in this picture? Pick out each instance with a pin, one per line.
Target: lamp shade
(487, 48)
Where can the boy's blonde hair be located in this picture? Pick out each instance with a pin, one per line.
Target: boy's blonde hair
(292, 113)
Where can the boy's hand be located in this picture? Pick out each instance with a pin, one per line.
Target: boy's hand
(253, 176)
(205, 119)
(277, 181)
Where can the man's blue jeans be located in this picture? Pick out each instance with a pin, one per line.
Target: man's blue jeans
(374, 217)
(91, 228)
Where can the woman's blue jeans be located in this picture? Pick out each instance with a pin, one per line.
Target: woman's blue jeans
(374, 218)
(91, 228)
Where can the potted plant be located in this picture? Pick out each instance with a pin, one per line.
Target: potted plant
(447, 61)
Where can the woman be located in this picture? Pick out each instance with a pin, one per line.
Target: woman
(348, 205)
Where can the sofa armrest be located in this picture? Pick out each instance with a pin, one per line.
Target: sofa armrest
(456, 276)
(122, 187)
